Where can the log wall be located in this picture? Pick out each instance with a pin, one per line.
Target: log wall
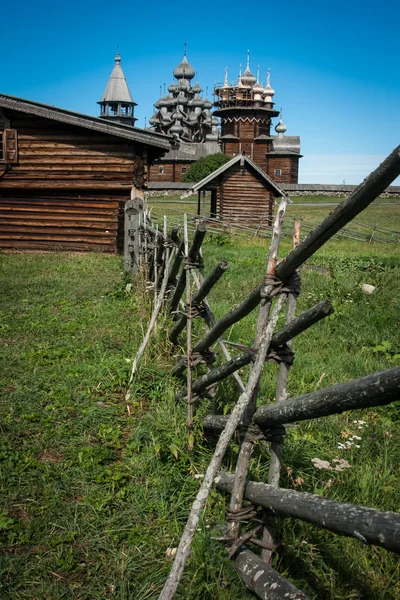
(289, 166)
(243, 195)
(172, 171)
(68, 189)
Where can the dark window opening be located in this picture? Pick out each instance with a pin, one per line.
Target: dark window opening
(1, 146)
(278, 172)
(161, 169)
(184, 169)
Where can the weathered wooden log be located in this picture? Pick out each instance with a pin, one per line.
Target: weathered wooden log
(362, 196)
(263, 580)
(233, 316)
(370, 526)
(198, 238)
(176, 264)
(269, 533)
(210, 322)
(377, 389)
(307, 318)
(185, 543)
(153, 321)
(202, 293)
(288, 332)
(246, 446)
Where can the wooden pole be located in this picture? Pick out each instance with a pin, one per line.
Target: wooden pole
(210, 322)
(289, 331)
(198, 238)
(185, 543)
(201, 294)
(263, 580)
(155, 266)
(269, 535)
(246, 447)
(378, 389)
(188, 328)
(368, 525)
(153, 320)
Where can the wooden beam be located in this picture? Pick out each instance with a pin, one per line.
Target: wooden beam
(370, 526)
(263, 580)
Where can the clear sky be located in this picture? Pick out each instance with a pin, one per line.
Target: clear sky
(334, 65)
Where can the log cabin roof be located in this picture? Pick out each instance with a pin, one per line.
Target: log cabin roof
(245, 161)
(69, 117)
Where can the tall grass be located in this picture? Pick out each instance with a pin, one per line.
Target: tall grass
(95, 493)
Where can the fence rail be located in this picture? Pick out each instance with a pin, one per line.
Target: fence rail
(166, 261)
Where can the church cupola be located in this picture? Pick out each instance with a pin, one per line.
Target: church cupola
(116, 103)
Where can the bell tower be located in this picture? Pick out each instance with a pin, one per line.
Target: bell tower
(246, 109)
(116, 103)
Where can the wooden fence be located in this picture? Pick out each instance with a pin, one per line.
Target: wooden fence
(174, 264)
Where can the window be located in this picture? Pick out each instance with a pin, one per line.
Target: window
(8, 146)
(183, 170)
(161, 169)
(278, 172)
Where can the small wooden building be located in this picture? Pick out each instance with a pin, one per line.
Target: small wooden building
(240, 191)
(65, 177)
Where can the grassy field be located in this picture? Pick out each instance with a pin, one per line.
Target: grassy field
(384, 212)
(95, 492)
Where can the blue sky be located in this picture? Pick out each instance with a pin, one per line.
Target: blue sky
(334, 65)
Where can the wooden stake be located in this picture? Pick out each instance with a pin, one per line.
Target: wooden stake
(269, 536)
(246, 448)
(188, 329)
(153, 320)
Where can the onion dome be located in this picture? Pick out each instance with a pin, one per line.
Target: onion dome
(154, 119)
(181, 99)
(196, 88)
(248, 79)
(163, 102)
(215, 121)
(184, 84)
(281, 127)
(171, 100)
(269, 91)
(207, 103)
(197, 101)
(176, 128)
(172, 88)
(184, 70)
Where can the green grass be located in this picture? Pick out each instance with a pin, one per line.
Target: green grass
(95, 492)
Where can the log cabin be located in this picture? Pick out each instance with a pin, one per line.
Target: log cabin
(240, 191)
(65, 177)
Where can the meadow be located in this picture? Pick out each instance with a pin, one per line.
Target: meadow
(95, 492)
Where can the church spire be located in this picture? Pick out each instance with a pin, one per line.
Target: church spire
(117, 103)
